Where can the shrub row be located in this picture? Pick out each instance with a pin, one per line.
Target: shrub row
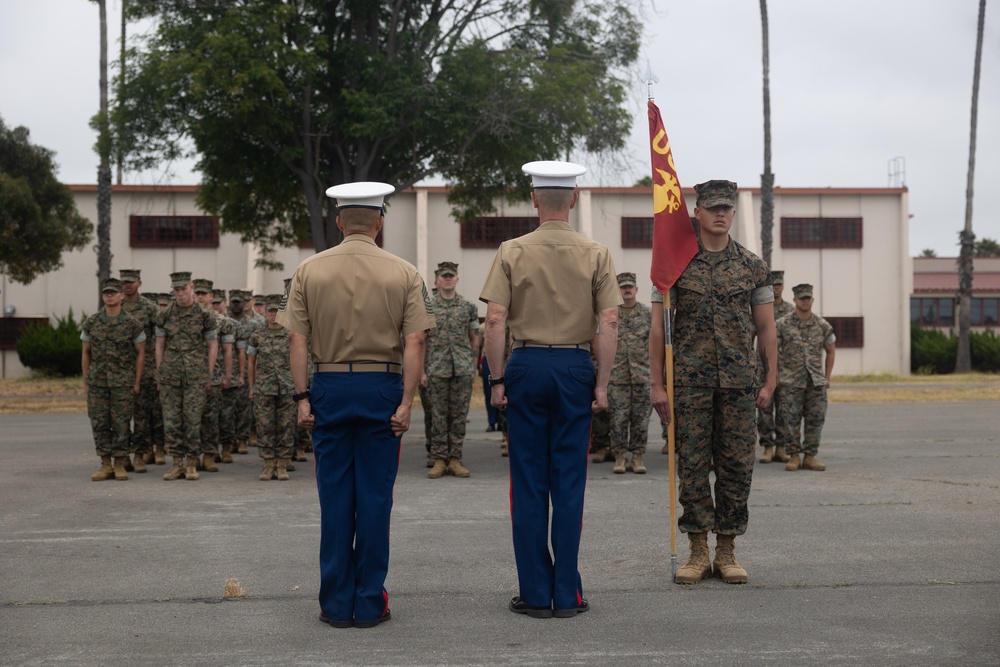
(52, 350)
(932, 351)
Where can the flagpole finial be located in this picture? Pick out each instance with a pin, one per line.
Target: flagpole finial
(649, 79)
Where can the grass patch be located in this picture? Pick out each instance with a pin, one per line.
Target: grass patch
(232, 589)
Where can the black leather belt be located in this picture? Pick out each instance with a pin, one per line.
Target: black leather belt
(569, 346)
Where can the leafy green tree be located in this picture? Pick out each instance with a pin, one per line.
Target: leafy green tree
(281, 99)
(38, 218)
(987, 247)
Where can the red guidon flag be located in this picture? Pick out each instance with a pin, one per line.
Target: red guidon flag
(674, 240)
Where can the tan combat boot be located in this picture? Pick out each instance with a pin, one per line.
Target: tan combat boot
(725, 560)
(638, 465)
(809, 462)
(147, 456)
(666, 448)
(139, 463)
(504, 452)
(281, 469)
(620, 463)
(779, 454)
(121, 474)
(227, 453)
(768, 454)
(601, 455)
(456, 468)
(159, 455)
(106, 472)
(267, 474)
(176, 470)
(698, 566)
(241, 447)
(438, 470)
(300, 454)
(208, 462)
(793, 463)
(191, 468)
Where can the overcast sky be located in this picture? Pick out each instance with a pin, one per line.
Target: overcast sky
(854, 84)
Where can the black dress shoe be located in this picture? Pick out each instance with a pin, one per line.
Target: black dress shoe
(371, 624)
(519, 606)
(336, 624)
(570, 613)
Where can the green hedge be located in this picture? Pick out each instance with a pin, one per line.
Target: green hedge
(932, 351)
(52, 350)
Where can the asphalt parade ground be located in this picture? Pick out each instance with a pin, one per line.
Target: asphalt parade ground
(890, 557)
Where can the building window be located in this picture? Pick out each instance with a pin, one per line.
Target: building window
(850, 331)
(305, 235)
(821, 233)
(11, 329)
(932, 312)
(637, 232)
(491, 232)
(173, 231)
(984, 312)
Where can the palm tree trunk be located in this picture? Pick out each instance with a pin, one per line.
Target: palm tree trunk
(120, 157)
(767, 178)
(963, 362)
(104, 170)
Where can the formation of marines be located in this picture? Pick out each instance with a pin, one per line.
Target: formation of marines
(189, 375)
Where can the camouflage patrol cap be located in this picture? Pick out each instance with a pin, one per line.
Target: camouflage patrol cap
(259, 298)
(111, 285)
(803, 290)
(273, 301)
(164, 298)
(203, 285)
(152, 296)
(716, 193)
(445, 269)
(777, 277)
(218, 295)
(180, 279)
(236, 295)
(626, 278)
(129, 275)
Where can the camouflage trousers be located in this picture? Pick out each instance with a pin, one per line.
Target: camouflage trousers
(227, 416)
(425, 403)
(450, 399)
(244, 413)
(156, 432)
(276, 416)
(630, 408)
(715, 433)
(110, 412)
(183, 406)
(600, 431)
(210, 420)
(769, 422)
(143, 416)
(797, 405)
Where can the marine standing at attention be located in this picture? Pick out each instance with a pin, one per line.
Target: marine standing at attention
(364, 312)
(552, 286)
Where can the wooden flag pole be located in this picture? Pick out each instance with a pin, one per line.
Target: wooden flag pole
(668, 361)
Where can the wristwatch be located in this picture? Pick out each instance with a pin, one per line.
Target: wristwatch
(299, 397)
(495, 381)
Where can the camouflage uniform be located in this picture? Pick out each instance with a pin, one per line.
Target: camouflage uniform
(243, 409)
(110, 379)
(717, 377)
(767, 427)
(211, 418)
(450, 366)
(143, 416)
(273, 406)
(803, 380)
(183, 374)
(628, 392)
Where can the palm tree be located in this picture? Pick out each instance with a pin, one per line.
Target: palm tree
(963, 362)
(767, 178)
(100, 123)
(928, 252)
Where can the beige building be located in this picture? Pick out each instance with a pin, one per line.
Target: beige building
(935, 285)
(850, 243)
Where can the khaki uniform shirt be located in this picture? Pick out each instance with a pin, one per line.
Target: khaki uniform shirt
(355, 302)
(145, 311)
(632, 355)
(553, 281)
(449, 351)
(185, 355)
(800, 350)
(112, 348)
(713, 325)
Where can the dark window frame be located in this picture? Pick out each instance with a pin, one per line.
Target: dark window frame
(932, 304)
(637, 232)
(489, 233)
(978, 311)
(850, 331)
(822, 232)
(173, 231)
(12, 328)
